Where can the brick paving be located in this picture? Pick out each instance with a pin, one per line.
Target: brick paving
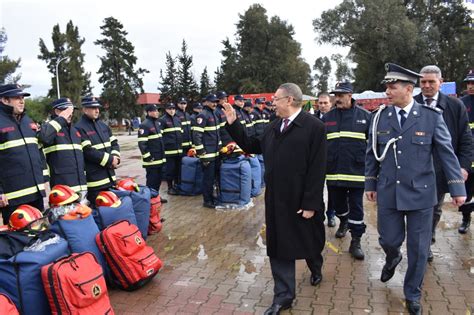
(215, 263)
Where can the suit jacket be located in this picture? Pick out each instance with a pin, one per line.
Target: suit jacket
(408, 182)
(457, 121)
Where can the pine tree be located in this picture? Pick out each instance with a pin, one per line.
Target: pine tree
(186, 84)
(322, 66)
(205, 86)
(7, 65)
(74, 82)
(121, 81)
(169, 83)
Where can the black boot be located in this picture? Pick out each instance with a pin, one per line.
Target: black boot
(355, 249)
(466, 222)
(436, 218)
(343, 227)
(171, 190)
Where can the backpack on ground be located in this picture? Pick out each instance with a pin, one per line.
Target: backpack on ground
(235, 181)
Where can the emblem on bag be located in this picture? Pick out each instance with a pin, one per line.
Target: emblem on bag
(138, 240)
(96, 290)
(149, 272)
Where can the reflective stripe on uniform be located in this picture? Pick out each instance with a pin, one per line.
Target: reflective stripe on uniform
(173, 152)
(355, 222)
(471, 125)
(346, 177)
(198, 129)
(55, 125)
(185, 123)
(115, 152)
(62, 147)
(104, 159)
(212, 128)
(17, 143)
(98, 183)
(86, 143)
(172, 129)
(78, 188)
(209, 155)
(24, 192)
(102, 145)
(146, 155)
(46, 172)
(150, 137)
(113, 138)
(186, 144)
(346, 134)
(199, 147)
(157, 162)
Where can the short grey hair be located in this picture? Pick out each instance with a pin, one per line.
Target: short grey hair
(294, 91)
(432, 69)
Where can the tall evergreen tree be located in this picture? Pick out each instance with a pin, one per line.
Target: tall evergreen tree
(205, 86)
(74, 81)
(187, 86)
(169, 83)
(343, 71)
(122, 82)
(228, 75)
(7, 65)
(322, 66)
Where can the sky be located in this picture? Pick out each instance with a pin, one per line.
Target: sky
(154, 28)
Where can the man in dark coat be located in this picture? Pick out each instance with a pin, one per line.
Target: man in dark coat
(457, 121)
(294, 151)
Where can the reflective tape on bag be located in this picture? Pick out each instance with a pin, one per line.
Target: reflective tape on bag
(346, 134)
(346, 177)
(62, 147)
(18, 143)
(24, 192)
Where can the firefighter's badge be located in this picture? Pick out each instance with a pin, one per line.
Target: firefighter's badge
(199, 120)
(141, 131)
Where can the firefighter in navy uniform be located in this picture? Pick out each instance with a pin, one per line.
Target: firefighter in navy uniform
(347, 128)
(219, 111)
(150, 143)
(172, 140)
(62, 147)
(100, 147)
(207, 142)
(260, 117)
(248, 109)
(185, 119)
(467, 208)
(21, 178)
(197, 109)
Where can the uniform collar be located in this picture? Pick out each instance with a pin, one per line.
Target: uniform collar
(407, 108)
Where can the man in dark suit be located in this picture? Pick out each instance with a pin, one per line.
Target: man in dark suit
(457, 121)
(400, 176)
(294, 151)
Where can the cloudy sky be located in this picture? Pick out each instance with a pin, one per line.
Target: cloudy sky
(154, 28)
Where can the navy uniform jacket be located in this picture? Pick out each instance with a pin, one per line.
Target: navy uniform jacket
(21, 175)
(224, 134)
(347, 132)
(248, 124)
(150, 143)
(206, 135)
(63, 150)
(185, 119)
(172, 135)
(468, 101)
(99, 147)
(456, 119)
(409, 182)
(260, 120)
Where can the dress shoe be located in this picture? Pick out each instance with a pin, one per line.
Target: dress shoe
(387, 273)
(355, 249)
(276, 308)
(173, 192)
(163, 200)
(430, 255)
(414, 307)
(464, 228)
(343, 228)
(331, 221)
(209, 205)
(315, 279)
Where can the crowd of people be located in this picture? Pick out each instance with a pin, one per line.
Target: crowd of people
(405, 156)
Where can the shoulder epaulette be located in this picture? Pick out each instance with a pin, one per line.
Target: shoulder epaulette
(436, 109)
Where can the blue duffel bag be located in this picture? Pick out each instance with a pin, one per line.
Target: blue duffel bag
(256, 176)
(191, 176)
(20, 275)
(80, 235)
(235, 181)
(105, 216)
(141, 206)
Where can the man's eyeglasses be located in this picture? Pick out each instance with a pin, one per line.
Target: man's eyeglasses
(276, 99)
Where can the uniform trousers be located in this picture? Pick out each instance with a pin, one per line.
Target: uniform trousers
(347, 202)
(391, 225)
(37, 203)
(173, 169)
(467, 208)
(209, 176)
(154, 176)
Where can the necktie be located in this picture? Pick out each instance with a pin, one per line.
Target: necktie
(402, 117)
(285, 124)
(428, 101)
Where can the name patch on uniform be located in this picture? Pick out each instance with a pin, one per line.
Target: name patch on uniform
(153, 129)
(78, 134)
(361, 121)
(61, 134)
(199, 120)
(420, 133)
(34, 126)
(7, 129)
(91, 132)
(383, 132)
(331, 123)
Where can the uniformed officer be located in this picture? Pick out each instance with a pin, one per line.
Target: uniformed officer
(101, 149)
(62, 147)
(150, 143)
(172, 140)
(248, 109)
(260, 117)
(197, 109)
(467, 208)
(400, 176)
(185, 119)
(347, 127)
(222, 99)
(21, 178)
(207, 141)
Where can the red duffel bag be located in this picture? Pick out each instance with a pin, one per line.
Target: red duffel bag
(156, 222)
(75, 285)
(132, 261)
(7, 306)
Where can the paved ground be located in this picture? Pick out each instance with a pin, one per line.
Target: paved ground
(215, 263)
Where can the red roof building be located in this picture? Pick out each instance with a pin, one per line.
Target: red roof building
(148, 98)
